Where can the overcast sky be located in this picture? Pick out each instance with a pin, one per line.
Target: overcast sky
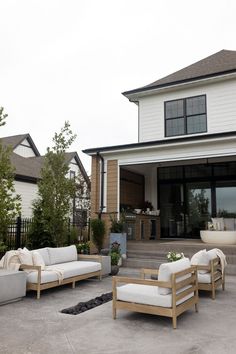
(71, 59)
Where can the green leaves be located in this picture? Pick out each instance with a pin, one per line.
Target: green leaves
(10, 205)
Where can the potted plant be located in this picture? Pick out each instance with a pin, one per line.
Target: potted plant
(115, 257)
(117, 233)
(83, 248)
(173, 256)
(98, 233)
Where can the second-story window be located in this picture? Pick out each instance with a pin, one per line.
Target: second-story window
(185, 116)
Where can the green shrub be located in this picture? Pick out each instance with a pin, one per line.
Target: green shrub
(98, 233)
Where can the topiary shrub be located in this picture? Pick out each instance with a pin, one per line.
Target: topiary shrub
(98, 233)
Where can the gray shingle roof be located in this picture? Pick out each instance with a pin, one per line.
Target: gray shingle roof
(219, 63)
(16, 140)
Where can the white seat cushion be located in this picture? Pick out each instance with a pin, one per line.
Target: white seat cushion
(229, 224)
(69, 269)
(167, 269)
(62, 254)
(46, 277)
(147, 295)
(206, 278)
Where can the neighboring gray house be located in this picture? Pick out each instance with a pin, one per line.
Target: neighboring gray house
(28, 162)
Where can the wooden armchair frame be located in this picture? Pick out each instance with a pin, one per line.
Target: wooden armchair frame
(217, 277)
(38, 287)
(175, 310)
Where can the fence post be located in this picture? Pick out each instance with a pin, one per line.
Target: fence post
(18, 232)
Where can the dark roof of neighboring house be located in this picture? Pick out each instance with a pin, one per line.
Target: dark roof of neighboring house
(16, 140)
(220, 63)
(29, 168)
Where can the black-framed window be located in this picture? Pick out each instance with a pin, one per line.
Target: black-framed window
(185, 116)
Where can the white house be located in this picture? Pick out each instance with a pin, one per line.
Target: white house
(184, 162)
(28, 162)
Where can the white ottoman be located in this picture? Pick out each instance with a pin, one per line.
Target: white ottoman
(12, 285)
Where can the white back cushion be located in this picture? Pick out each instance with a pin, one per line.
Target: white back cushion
(201, 258)
(62, 254)
(45, 254)
(38, 259)
(167, 269)
(212, 254)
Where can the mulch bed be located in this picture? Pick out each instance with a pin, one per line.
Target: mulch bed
(88, 305)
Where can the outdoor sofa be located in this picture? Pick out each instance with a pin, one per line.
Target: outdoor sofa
(50, 267)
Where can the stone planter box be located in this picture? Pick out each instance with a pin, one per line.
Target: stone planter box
(121, 239)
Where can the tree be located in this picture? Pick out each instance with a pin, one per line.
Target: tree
(9, 202)
(56, 191)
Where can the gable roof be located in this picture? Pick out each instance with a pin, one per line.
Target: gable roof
(220, 63)
(29, 168)
(16, 140)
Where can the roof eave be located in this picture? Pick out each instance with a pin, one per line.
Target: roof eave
(149, 89)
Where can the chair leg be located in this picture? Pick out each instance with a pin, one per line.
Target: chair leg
(73, 285)
(114, 309)
(174, 322)
(196, 307)
(213, 294)
(38, 293)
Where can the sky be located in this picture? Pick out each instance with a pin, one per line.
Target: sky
(70, 60)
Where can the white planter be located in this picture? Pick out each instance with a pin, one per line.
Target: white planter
(220, 237)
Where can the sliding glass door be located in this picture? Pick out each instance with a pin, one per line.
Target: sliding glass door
(198, 207)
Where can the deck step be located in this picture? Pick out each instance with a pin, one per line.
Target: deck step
(152, 254)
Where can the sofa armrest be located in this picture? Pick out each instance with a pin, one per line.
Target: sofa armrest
(127, 280)
(90, 257)
(33, 267)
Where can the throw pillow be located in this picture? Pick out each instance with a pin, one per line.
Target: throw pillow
(38, 260)
(25, 256)
(218, 224)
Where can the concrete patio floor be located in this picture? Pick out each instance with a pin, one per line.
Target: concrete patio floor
(37, 326)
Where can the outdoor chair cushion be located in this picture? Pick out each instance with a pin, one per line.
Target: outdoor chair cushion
(167, 269)
(201, 258)
(62, 254)
(206, 278)
(147, 294)
(70, 269)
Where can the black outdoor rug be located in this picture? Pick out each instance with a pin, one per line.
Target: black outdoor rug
(88, 305)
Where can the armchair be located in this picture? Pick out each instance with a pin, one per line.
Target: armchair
(175, 292)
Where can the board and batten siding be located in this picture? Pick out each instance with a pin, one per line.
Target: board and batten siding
(221, 109)
(28, 193)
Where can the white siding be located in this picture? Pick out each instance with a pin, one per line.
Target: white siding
(179, 151)
(221, 109)
(28, 192)
(24, 149)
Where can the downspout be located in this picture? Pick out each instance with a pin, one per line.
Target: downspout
(102, 185)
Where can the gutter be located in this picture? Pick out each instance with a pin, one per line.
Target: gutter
(102, 185)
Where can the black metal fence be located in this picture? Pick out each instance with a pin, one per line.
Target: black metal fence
(18, 232)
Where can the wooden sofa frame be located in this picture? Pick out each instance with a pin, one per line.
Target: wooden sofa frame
(217, 277)
(175, 286)
(38, 287)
